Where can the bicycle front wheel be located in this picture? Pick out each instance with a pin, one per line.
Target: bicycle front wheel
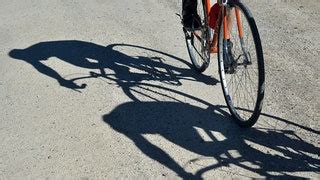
(241, 65)
(198, 41)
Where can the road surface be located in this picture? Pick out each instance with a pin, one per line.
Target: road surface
(104, 89)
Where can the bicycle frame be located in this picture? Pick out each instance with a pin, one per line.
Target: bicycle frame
(234, 27)
(223, 15)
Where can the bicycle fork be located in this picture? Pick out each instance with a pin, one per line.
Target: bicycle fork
(241, 35)
(230, 62)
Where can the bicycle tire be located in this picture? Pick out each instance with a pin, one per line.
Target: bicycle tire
(200, 57)
(234, 107)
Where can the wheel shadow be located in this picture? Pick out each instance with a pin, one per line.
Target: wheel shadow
(176, 121)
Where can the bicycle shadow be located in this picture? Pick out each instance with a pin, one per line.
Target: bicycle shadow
(175, 121)
(178, 123)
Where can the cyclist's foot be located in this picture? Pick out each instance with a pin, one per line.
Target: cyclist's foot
(230, 64)
(191, 22)
(229, 45)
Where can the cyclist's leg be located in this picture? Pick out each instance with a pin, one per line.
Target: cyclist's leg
(230, 18)
(189, 6)
(191, 18)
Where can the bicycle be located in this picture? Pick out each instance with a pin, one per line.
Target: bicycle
(229, 29)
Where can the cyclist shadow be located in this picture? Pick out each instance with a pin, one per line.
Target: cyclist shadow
(96, 57)
(177, 122)
(226, 143)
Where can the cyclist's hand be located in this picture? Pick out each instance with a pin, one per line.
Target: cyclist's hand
(71, 85)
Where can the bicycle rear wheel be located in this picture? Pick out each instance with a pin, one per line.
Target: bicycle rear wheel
(241, 67)
(198, 41)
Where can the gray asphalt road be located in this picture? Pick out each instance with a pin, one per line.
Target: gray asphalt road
(151, 116)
